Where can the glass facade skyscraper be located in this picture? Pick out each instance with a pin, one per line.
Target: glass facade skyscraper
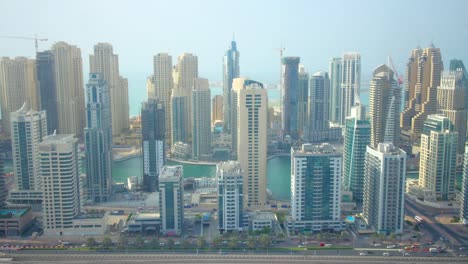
(290, 83)
(230, 71)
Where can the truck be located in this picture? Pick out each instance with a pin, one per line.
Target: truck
(433, 250)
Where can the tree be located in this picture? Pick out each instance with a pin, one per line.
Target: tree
(264, 240)
(233, 242)
(123, 242)
(139, 242)
(251, 242)
(186, 244)
(155, 243)
(106, 242)
(90, 242)
(217, 241)
(318, 237)
(392, 237)
(170, 243)
(201, 242)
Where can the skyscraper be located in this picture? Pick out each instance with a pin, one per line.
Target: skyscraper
(59, 171)
(28, 128)
(290, 83)
(252, 107)
(384, 107)
(3, 187)
(334, 71)
(217, 109)
(302, 101)
(438, 158)
(171, 200)
(179, 117)
(451, 98)
(98, 139)
(384, 188)
(422, 78)
(184, 75)
(230, 197)
(318, 126)
(464, 201)
(356, 139)
(47, 89)
(18, 84)
(153, 133)
(69, 89)
(230, 71)
(350, 82)
(315, 188)
(104, 61)
(201, 120)
(163, 83)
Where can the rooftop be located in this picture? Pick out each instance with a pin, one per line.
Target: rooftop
(13, 212)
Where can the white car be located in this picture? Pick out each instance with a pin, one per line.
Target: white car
(385, 254)
(377, 245)
(391, 246)
(362, 254)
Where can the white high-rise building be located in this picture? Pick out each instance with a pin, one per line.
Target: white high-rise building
(350, 83)
(162, 85)
(69, 89)
(28, 128)
(251, 125)
(230, 197)
(315, 188)
(384, 188)
(171, 199)
(59, 172)
(104, 61)
(334, 71)
(18, 84)
(438, 158)
(201, 120)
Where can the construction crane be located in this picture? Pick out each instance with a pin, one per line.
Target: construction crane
(400, 79)
(28, 38)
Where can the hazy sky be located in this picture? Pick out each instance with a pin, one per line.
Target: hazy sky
(313, 30)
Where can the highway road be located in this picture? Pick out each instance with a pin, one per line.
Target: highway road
(215, 258)
(435, 228)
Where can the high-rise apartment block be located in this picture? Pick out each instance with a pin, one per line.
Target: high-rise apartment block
(423, 74)
(334, 71)
(98, 139)
(171, 200)
(350, 82)
(230, 196)
(162, 85)
(464, 200)
(290, 83)
(69, 89)
(318, 121)
(153, 133)
(201, 120)
(251, 139)
(59, 171)
(28, 128)
(45, 66)
(230, 72)
(384, 188)
(217, 109)
(302, 101)
(18, 84)
(315, 188)
(179, 117)
(438, 158)
(356, 139)
(451, 102)
(104, 61)
(384, 107)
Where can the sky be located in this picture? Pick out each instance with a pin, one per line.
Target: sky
(313, 30)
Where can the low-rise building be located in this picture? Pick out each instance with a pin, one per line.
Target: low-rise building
(145, 222)
(14, 221)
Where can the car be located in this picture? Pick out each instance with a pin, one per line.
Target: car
(391, 246)
(362, 254)
(300, 246)
(177, 243)
(407, 254)
(377, 245)
(385, 254)
(462, 248)
(162, 244)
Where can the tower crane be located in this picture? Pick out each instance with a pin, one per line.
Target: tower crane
(27, 38)
(400, 79)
